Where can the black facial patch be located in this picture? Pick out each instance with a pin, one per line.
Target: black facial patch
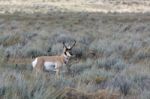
(70, 52)
(65, 53)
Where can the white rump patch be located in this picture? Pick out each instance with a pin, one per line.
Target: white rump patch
(34, 63)
(50, 66)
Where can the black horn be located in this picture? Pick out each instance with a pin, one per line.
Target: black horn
(73, 44)
(64, 45)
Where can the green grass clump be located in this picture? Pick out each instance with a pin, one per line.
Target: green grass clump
(94, 76)
(98, 80)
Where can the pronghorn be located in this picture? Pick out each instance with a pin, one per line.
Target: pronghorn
(53, 63)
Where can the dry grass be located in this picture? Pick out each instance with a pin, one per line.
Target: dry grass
(46, 6)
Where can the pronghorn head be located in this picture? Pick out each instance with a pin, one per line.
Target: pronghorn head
(67, 50)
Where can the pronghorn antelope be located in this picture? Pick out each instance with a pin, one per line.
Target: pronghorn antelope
(53, 63)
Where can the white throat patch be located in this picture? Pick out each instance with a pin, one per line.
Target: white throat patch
(68, 54)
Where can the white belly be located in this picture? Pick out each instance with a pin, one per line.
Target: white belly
(50, 66)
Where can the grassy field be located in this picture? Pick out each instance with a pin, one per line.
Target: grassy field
(111, 55)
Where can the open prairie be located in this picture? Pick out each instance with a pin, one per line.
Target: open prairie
(111, 57)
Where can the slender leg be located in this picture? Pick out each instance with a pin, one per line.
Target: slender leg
(37, 72)
(39, 68)
(58, 73)
(57, 67)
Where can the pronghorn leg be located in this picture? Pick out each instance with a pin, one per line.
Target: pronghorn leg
(57, 73)
(39, 68)
(58, 70)
(38, 72)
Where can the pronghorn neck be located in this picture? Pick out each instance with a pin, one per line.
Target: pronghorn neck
(65, 58)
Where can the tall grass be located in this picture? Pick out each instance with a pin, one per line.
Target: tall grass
(112, 51)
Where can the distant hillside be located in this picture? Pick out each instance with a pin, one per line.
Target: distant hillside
(46, 6)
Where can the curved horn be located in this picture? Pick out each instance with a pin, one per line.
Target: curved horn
(73, 44)
(64, 45)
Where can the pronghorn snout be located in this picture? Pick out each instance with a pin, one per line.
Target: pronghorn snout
(68, 54)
